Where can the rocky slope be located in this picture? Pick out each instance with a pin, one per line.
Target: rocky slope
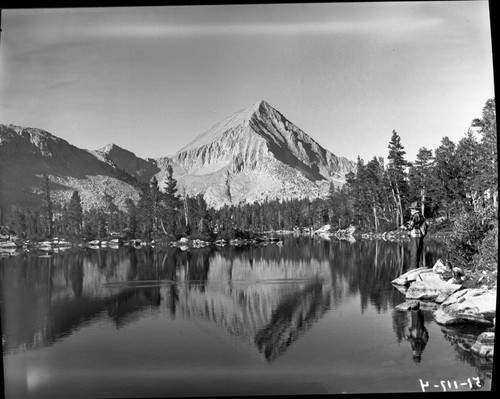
(28, 153)
(142, 169)
(255, 154)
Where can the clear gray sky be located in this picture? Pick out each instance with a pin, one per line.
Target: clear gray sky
(150, 79)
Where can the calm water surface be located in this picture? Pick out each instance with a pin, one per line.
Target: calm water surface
(311, 316)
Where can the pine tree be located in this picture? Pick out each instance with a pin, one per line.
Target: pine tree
(47, 206)
(131, 227)
(102, 229)
(420, 176)
(444, 176)
(75, 214)
(468, 182)
(172, 203)
(488, 160)
(373, 186)
(21, 223)
(397, 174)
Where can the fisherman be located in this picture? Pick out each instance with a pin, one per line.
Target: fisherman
(416, 235)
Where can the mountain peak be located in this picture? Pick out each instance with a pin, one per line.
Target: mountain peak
(127, 161)
(109, 147)
(257, 153)
(240, 118)
(260, 104)
(262, 107)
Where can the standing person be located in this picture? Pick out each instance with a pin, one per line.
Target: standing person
(416, 235)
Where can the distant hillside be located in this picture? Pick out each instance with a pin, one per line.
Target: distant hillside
(28, 153)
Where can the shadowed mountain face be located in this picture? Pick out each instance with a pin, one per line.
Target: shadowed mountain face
(142, 169)
(254, 154)
(27, 153)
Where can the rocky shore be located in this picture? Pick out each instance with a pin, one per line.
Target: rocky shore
(447, 291)
(12, 247)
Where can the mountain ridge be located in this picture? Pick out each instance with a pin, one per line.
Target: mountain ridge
(254, 154)
(26, 154)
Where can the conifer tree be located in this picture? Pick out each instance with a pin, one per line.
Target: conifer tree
(21, 223)
(468, 182)
(373, 187)
(102, 229)
(488, 160)
(131, 227)
(172, 202)
(75, 213)
(396, 172)
(420, 176)
(47, 207)
(444, 176)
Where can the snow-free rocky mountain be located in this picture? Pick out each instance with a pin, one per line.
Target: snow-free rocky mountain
(254, 154)
(26, 154)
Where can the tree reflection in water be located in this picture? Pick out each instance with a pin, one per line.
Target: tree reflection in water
(267, 296)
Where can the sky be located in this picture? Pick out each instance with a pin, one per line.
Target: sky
(151, 79)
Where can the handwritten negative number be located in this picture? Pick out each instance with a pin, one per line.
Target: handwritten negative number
(450, 385)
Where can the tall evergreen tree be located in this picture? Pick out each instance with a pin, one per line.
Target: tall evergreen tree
(373, 187)
(75, 214)
(21, 223)
(396, 172)
(488, 160)
(47, 207)
(131, 228)
(172, 202)
(102, 228)
(420, 176)
(444, 176)
(467, 179)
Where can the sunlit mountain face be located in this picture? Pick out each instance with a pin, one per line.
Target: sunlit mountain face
(256, 153)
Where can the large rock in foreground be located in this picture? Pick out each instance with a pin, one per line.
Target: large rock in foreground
(434, 289)
(410, 276)
(471, 305)
(484, 345)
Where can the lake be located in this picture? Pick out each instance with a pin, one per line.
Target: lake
(310, 316)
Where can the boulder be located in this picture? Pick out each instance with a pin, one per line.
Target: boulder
(416, 305)
(484, 345)
(443, 270)
(472, 305)
(324, 229)
(435, 290)
(8, 244)
(427, 276)
(410, 276)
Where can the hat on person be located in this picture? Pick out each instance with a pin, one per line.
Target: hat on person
(414, 205)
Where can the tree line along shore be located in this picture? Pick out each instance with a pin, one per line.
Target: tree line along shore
(456, 183)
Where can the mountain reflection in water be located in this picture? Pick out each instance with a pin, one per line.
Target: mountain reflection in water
(266, 296)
